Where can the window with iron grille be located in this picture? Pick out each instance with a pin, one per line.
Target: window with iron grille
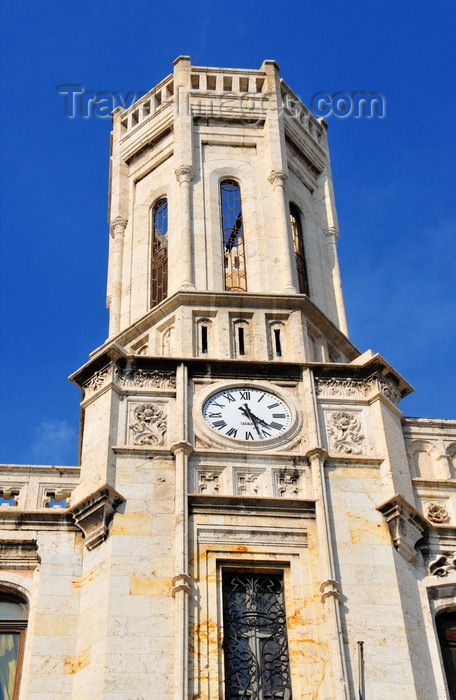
(446, 626)
(233, 236)
(298, 244)
(159, 258)
(13, 623)
(255, 637)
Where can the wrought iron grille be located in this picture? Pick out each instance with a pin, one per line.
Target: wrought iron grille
(255, 638)
(159, 262)
(298, 244)
(233, 236)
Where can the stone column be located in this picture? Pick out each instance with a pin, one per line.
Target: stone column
(184, 175)
(330, 587)
(118, 226)
(332, 236)
(278, 178)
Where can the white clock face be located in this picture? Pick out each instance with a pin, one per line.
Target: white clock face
(247, 413)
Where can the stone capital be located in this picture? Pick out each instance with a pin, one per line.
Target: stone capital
(118, 226)
(278, 178)
(332, 233)
(184, 173)
(94, 513)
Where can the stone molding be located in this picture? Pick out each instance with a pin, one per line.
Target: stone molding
(181, 582)
(330, 589)
(94, 514)
(19, 554)
(406, 525)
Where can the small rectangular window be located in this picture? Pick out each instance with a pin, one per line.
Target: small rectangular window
(204, 346)
(241, 340)
(227, 83)
(243, 84)
(277, 343)
(211, 82)
(195, 81)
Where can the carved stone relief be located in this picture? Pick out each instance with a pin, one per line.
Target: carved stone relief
(149, 425)
(146, 379)
(442, 564)
(344, 431)
(360, 388)
(248, 484)
(208, 482)
(288, 484)
(97, 380)
(437, 513)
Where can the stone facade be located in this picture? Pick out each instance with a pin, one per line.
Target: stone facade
(120, 560)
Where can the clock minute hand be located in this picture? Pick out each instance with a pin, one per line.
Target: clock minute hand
(247, 412)
(259, 420)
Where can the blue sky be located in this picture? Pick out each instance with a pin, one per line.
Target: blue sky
(394, 180)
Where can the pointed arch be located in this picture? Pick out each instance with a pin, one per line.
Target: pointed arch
(159, 257)
(233, 236)
(298, 245)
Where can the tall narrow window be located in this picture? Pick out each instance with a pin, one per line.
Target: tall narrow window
(446, 625)
(159, 264)
(13, 622)
(255, 638)
(233, 236)
(298, 244)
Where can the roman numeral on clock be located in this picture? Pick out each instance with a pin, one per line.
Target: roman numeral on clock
(248, 436)
(244, 395)
(232, 432)
(274, 405)
(219, 424)
(276, 426)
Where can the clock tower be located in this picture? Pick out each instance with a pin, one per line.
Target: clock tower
(252, 517)
(228, 414)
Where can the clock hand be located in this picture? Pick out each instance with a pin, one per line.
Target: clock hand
(247, 412)
(260, 420)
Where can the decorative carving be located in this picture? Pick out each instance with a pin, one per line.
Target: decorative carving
(209, 483)
(93, 515)
(344, 428)
(363, 388)
(150, 425)
(278, 178)
(19, 554)
(97, 379)
(343, 387)
(406, 525)
(9, 497)
(184, 173)
(388, 390)
(247, 484)
(442, 564)
(57, 497)
(146, 379)
(288, 484)
(437, 513)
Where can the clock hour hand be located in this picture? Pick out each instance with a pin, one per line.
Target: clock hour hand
(259, 420)
(247, 412)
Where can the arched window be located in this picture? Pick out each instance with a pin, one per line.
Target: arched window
(159, 263)
(298, 244)
(13, 623)
(233, 236)
(446, 626)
